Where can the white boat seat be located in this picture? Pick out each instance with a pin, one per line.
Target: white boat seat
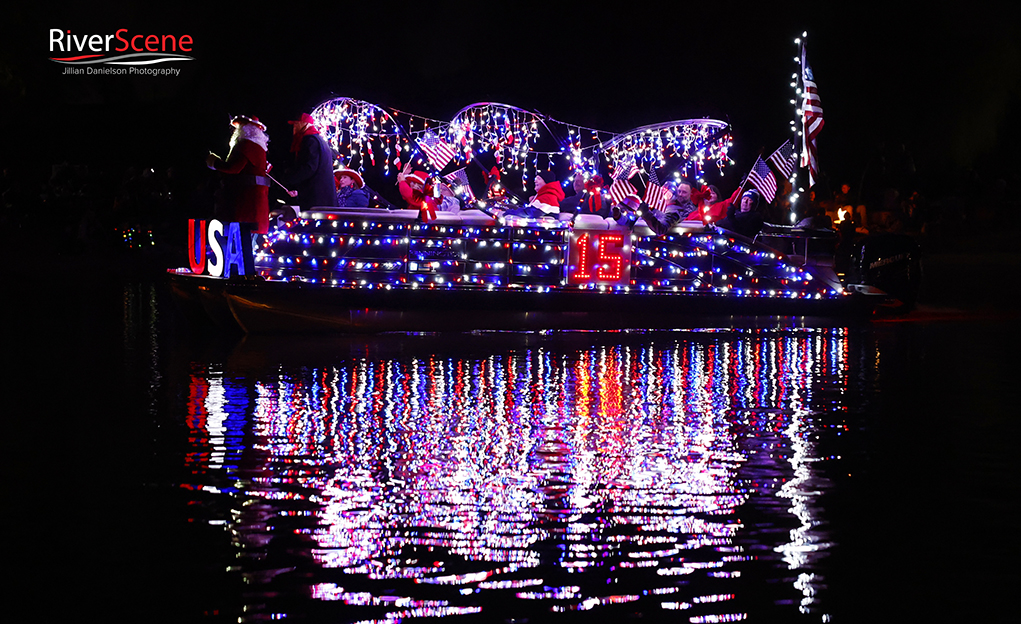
(591, 222)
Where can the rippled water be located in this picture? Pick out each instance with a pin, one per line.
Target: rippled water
(667, 473)
(709, 475)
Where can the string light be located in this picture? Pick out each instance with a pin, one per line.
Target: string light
(366, 254)
(357, 130)
(509, 253)
(795, 128)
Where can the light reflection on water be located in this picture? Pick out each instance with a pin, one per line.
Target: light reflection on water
(672, 473)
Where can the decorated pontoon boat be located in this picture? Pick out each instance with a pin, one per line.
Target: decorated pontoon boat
(490, 265)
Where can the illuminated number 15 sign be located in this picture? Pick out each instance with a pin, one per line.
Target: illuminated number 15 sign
(599, 257)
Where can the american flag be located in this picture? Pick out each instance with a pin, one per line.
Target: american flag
(621, 189)
(783, 160)
(625, 168)
(439, 151)
(762, 179)
(811, 119)
(459, 181)
(655, 195)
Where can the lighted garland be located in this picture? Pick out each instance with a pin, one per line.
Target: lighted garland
(353, 127)
(694, 141)
(354, 253)
(797, 124)
(364, 134)
(506, 131)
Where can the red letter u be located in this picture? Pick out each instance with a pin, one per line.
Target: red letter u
(197, 246)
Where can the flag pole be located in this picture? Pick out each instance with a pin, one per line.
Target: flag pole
(744, 182)
(803, 147)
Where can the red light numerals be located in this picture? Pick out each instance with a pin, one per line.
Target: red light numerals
(599, 257)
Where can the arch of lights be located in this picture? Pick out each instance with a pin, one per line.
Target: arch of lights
(522, 141)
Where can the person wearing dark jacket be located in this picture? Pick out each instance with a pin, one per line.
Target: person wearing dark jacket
(311, 177)
(570, 204)
(588, 198)
(350, 188)
(679, 209)
(746, 219)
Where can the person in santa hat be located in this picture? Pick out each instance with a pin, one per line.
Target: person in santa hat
(311, 177)
(245, 186)
(412, 186)
(350, 188)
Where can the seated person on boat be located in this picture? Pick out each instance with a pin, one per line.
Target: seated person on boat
(350, 188)
(746, 220)
(714, 207)
(678, 208)
(548, 194)
(590, 199)
(411, 185)
(447, 201)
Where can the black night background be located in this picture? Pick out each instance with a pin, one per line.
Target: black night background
(920, 100)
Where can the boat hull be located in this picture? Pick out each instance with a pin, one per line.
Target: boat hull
(273, 307)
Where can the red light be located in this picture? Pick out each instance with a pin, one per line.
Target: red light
(599, 258)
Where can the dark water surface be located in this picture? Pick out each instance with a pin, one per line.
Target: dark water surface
(155, 473)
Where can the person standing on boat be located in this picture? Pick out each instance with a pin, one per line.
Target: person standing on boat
(350, 188)
(245, 184)
(311, 177)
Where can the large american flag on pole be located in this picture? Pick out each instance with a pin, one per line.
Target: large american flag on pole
(783, 160)
(762, 179)
(811, 119)
(439, 151)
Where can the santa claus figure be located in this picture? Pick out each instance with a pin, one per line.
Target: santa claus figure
(245, 196)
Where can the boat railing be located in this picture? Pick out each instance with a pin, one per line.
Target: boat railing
(478, 218)
(465, 217)
(801, 246)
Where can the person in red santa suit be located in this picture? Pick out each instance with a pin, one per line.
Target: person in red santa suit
(245, 185)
